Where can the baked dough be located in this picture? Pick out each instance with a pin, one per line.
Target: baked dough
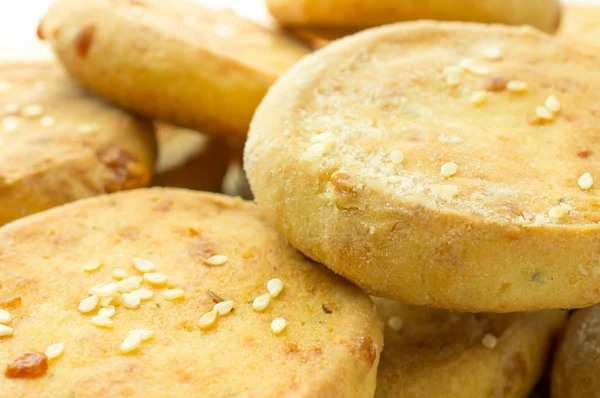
(473, 187)
(576, 364)
(436, 353)
(211, 247)
(171, 60)
(581, 25)
(59, 144)
(361, 14)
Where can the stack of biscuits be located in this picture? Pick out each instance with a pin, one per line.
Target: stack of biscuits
(426, 215)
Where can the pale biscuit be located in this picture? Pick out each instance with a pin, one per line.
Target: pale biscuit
(318, 335)
(171, 60)
(437, 353)
(441, 164)
(59, 144)
(361, 14)
(576, 364)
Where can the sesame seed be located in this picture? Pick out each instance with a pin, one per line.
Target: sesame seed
(130, 301)
(127, 285)
(452, 139)
(173, 294)
(552, 104)
(544, 113)
(47, 121)
(88, 128)
(131, 342)
(275, 286)
(218, 259)
(6, 331)
(489, 340)
(224, 307)
(327, 139)
(448, 169)
(107, 312)
(261, 302)
(137, 278)
(5, 317)
(143, 294)
(478, 98)
(88, 304)
(10, 124)
(475, 69)
(517, 86)
(453, 80)
(557, 212)
(155, 278)
(583, 270)
(92, 266)
(317, 148)
(119, 274)
(453, 70)
(11, 108)
(102, 321)
(145, 334)
(104, 289)
(396, 323)
(32, 111)
(586, 181)
(105, 301)
(397, 157)
(492, 53)
(143, 265)
(278, 325)
(55, 350)
(208, 319)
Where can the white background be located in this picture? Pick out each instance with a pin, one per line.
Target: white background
(19, 19)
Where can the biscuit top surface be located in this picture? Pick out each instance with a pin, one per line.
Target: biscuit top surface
(215, 249)
(459, 118)
(46, 119)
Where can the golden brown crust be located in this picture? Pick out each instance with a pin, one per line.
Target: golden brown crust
(438, 353)
(576, 364)
(320, 163)
(318, 354)
(189, 159)
(581, 25)
(173, 61)
(60, 144)
(361, 14)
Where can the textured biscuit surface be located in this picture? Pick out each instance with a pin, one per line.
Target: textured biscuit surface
(543, 14)
(189, 159)
(174, 61)
(438, 353)
(60, 144)
(333, 353)
(576, 364)
(457, 194)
